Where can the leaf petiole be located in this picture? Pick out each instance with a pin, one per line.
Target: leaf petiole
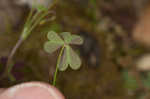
(57, 65)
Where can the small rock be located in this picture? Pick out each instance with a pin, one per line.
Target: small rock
(143, 63)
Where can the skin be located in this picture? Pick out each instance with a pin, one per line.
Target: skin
(31, 90)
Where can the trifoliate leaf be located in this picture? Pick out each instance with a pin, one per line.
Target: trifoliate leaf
(67, 37)
(53, 36)
(74, 59)
(69, 57)
(76, 40)
(64, 61)
(50, 46)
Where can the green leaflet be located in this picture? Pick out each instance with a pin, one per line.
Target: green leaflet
(64, 61)
(71, 39)
(70, 58)
(74, 59)
(77, 40)
(67, 37)
(53, 36)
(54, 43)
(51, 47)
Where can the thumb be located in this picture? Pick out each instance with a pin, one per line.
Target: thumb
(31, 90)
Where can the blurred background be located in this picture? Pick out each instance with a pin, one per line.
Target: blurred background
(115, 54)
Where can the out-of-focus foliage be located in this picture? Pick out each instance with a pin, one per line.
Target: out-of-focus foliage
(130, 81)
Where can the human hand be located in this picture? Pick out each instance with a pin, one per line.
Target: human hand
(31, 90)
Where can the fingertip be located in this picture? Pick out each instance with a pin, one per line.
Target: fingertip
(32, 90)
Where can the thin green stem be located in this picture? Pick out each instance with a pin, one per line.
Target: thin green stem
(38, 21)
(57, 65)
(34, 18)
(9, 64)
(27, 23)
(27, 30)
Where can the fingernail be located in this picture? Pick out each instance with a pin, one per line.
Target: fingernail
(32, 90)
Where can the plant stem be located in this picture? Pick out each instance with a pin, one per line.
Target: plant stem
(29, 29)
(9, 61)
(29, 17)
(57, 65)
(29, 26)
